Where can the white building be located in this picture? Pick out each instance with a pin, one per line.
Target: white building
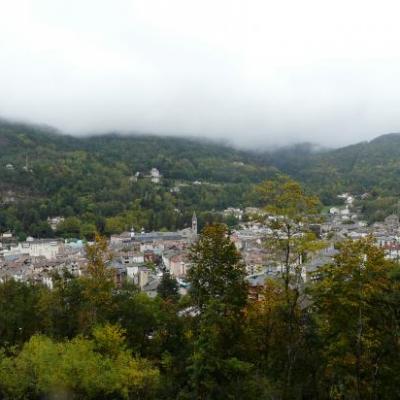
(236, 212)
(47, 248)
(155, 175)
(54, 222)
(334, 211)
(7, 235)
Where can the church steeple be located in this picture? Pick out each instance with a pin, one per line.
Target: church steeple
(194, 223)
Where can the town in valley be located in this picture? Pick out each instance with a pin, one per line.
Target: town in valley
(142, 257)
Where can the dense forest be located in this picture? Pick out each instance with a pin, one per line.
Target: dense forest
(367, 167)
(102, 182)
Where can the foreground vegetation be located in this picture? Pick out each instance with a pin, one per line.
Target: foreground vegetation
(335, 338)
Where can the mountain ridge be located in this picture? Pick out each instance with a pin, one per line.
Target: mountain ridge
(95, 177)
(104, 181)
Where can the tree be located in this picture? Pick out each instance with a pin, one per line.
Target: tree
(97, 368)
(168, 288)
(70, 227)
(219, 291)
(217, 271)
(217, 367)
(19, 317)
(63, 309)
(275, 343)
(357, 316)
(98, 282)
(290, 213)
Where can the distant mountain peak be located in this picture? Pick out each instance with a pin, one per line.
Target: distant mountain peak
(386, 137)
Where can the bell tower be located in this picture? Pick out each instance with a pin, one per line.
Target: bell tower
(194, 223)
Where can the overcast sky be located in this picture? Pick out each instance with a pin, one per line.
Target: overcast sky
(252, 71)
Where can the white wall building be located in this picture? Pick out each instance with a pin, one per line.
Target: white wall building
(36, 248)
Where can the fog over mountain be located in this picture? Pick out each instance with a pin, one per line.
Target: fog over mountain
(253, 72)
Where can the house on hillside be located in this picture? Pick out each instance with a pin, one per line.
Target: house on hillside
(155, 175)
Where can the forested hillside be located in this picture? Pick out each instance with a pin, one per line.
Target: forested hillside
(361, 167)
(93, 181)
(102, 182)
(367, 167)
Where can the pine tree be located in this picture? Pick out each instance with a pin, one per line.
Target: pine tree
(219, 291)
(217, 271)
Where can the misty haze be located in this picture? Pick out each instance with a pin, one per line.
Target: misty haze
(199, 200)
(257, 74)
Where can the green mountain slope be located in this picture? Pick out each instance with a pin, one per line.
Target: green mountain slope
(46, 174)
(363, 167)
(92, 180)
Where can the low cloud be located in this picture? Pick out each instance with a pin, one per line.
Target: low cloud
(256, 73)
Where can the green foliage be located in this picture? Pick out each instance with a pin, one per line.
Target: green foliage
(290, 213)
(168, 288)
(378, 208)
(219, 291)
(92, 179)
(371, 167)
(98, 283)
(61, 311)
(81, 369)
(357, 315)
(283, 342)
(216, 371)
(217, 270)
(19, 316)
(335, 338)
(285, 197)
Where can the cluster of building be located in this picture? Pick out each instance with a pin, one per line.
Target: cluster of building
(38, 259)
(339, 224)
(143, 257)
(345, 222)
(154, 176)
(240, 214)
